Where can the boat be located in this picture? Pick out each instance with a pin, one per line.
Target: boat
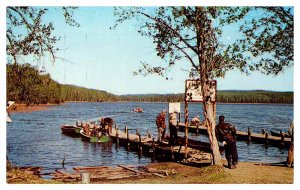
(138, 109)
(71, 130)
(94, 139)
(276, 134)
(9, 104)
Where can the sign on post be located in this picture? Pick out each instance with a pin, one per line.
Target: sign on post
(194, 92)
(174, 107)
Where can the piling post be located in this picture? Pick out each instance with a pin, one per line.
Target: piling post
(267, 138)
(149, 134)
(126, 129)
(179, 117)
(128, 143)
(140, 143)
(249, 134)
(117, 136)
(116, 126)
(281, 139)
(263, 131)
(159, 134)
(186, 115)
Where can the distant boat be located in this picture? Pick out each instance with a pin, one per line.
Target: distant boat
(138, 109)
(9, 104)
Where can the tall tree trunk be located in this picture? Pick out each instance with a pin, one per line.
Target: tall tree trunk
(211, 126)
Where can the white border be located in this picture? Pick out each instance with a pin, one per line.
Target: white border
(5, 3)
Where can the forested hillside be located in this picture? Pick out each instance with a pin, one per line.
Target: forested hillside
(25, 84)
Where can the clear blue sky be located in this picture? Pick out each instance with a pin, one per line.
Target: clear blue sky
(105, 59)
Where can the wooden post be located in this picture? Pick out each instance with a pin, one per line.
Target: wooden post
(116, 126)
(186, 115)
(263, 131)
(179, 116)
(137, 132)
(126, 130)
(117, 137)
(159, 134)
(149, 134)
(267, 138)
(140, 143)
(128, 143)
(281, 139)
(249, 134)
(153, 145)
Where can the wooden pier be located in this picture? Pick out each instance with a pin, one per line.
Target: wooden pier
(245, 136)
(196, 153)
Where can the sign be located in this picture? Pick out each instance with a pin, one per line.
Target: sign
(174, 107)
(194, 92)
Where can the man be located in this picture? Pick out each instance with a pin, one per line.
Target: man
(290, 157)
(196, 121)
(226, 133)
(161, 125)
(173, 130)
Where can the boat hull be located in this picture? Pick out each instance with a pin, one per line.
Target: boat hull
(102, 139)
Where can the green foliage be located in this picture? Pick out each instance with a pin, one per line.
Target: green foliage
(28, 34)
(222, 97)
(267, 40)
(26, 85)
(192, 34)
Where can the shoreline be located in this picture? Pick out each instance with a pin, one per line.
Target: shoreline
(245, 173)
(23, 108)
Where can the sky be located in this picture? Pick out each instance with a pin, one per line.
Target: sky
(102, 58)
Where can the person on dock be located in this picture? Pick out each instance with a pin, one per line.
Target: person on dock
(161, 125)
(173, 130)
(196, 121)
(290, 157)
(226, 134)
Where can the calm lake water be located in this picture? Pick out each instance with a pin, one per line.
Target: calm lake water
(35, 138)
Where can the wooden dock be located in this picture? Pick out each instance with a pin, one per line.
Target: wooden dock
(245, 136)
(198, 154)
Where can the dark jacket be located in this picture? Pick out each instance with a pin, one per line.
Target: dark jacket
(225, 132)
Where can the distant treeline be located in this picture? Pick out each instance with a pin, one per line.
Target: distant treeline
(25, 84)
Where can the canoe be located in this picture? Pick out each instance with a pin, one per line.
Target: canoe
(70, 130)
(93, 139)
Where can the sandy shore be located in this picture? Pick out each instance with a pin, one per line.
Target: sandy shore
(30, 108)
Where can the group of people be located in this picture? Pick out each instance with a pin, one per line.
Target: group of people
(161, 126)
(173, 122)
(98, 130)
(225, 133)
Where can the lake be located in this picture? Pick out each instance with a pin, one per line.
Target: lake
(35, 138)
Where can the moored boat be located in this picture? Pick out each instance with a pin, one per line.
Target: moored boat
(94, 139)
(71, 130)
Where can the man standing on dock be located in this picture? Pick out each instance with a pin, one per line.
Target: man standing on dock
(226, 133)
(290, 157)
(161, 125)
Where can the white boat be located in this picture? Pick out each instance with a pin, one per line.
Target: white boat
(9, 104)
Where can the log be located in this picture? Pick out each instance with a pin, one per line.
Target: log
(159, 175)
(127, 168)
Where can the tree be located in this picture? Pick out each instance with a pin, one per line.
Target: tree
(28, 34)
(193, 34)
